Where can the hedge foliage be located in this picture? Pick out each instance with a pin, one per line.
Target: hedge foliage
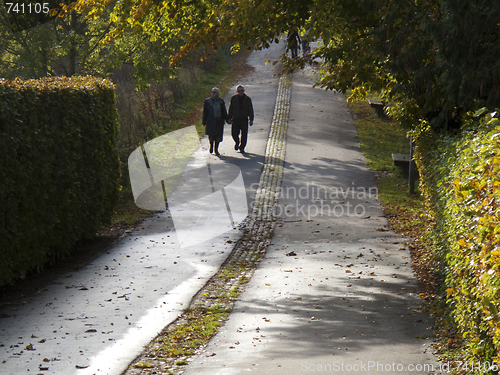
(460, 176)
(59, 167)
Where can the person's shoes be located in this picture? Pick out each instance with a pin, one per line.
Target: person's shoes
(236, 146)
(217, 153)
(242, 150)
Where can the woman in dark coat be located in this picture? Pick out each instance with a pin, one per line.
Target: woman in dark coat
(214, 117)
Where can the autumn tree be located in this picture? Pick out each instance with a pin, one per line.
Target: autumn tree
(433, 60)
(68, 43)
(443, 58)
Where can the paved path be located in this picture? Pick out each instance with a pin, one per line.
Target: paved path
(335, 291)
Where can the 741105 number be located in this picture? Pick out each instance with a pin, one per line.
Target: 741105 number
(27, 8)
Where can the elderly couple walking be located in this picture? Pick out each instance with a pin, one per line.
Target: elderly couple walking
(240, 115)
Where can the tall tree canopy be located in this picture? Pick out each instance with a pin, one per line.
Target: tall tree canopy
(432, 59)
(68, 42)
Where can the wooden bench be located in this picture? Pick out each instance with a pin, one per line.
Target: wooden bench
(379, 107)
(401, 160)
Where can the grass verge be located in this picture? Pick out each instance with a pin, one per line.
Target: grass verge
(379, 138)
(406, 214)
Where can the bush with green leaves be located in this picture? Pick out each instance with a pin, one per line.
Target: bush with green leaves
(60, 169)
(460, 176)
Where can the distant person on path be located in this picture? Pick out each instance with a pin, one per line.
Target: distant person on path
(214, 117)
(240, 112)
(305, 45)
(293, 42)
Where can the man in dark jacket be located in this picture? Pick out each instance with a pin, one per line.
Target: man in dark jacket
(240, 112)
(293, 42)
(214, 117)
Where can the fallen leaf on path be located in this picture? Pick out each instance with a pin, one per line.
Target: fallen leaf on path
(140, 365)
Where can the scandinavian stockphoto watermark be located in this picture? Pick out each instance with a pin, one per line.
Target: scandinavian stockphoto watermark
(313, 199)
(204, 200)
(207, 200)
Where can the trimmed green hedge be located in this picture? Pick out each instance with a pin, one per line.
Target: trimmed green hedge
(59, 167)
(460, 176)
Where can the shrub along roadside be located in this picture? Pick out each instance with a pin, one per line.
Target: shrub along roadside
(407, 215)
(461, 180)
(60, 168)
